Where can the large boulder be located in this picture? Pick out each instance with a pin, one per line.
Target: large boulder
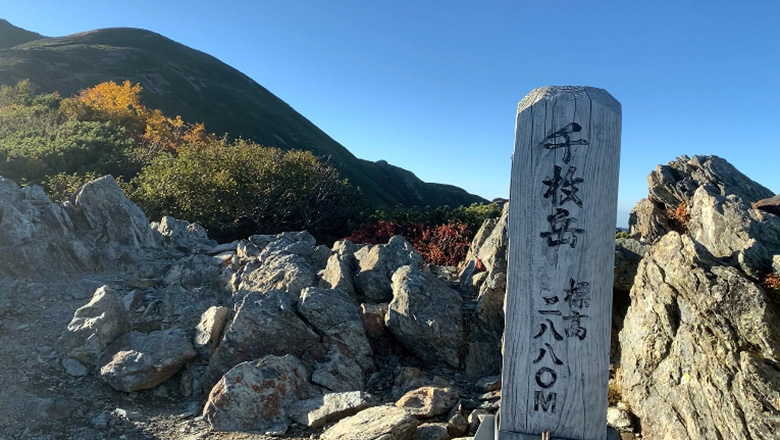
(138, 361)
(94, 327)
(426, 316)
(37, 236)
(279, 271)
(333, 313)
(377, 423)
(180, 234)
(672, 186)
(110, 217)
(263, 324)
(427, 402)
(258, 395)
(698, 345)
(378, 263)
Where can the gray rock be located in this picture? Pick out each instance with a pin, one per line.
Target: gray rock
(332, 313)
(331, 407)
(209, 330)
(338, 274)
(263, 324)
(427, 402)
(619, 419)
(94, 326)
(138, 361)
(258, 395)
(698, 343)
(628, 254)
(74, 367)
(195, 271)
(674, 184)
(170, 232)
(280, 271)
(339, 373)
(489, 383)
(426, 316)
(490, 246)
(110, 216)
(373, 317)
(182, 308)
(408, 379)
(432, 431)
(377, 264)
(377, 423)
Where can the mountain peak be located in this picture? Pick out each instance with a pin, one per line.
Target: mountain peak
(11, 35)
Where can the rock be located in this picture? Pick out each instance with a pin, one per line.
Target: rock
(427, 402)
(263, 324)
(489, 245)
(331, 407)
(426, 316)
(209, 330)
(409, 378)
(258, 395)
(338, 274)
(488, 384)
(49, 408)
(37, 239)
(619, 419)
(628, 254)
(373, 317)
(457, 424)
(490, 302)
(475, 419)
(339, 373)
(195, 271)
(181, 234)
(74, 367)
(182, 307)
(111, 216)
(94, 326)
(332, 313)
(432, 431)
(770, 205)
(280, 271)
(377, 423)
(698, 344)
(138, 361)
(132, 300)
(378, 263)
(675, 184)
(729, 228)
(320, 257)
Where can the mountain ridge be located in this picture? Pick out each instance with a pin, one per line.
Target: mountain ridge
(181, 80)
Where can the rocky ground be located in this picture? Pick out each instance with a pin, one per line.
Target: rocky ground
(112, 328)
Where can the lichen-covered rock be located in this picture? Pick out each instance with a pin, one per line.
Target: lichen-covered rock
(138, 361)
(258, 395)
(94, 326)
(279, 271)
(377, 423)
(334, 314)
(770, 205)
(331, 407)
(338, 273)
(378, 263)
(427, 402)
(698, 344)
(263, 324)
(628, 254)
(426, 316)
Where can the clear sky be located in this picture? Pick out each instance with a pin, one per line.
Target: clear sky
(433, 86)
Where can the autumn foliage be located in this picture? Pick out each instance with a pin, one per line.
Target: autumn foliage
(443, 245)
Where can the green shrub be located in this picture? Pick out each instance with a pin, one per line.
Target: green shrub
(235, 188)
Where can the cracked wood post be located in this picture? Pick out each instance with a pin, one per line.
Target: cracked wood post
(562, 214)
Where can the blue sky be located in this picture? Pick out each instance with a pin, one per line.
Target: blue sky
(433, 86)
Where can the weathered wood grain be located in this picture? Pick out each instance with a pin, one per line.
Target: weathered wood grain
(561, 247)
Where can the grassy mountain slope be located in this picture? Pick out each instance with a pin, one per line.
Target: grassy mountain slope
(11, 35)
(200, 88)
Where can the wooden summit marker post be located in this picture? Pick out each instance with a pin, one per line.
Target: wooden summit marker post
(563, 203)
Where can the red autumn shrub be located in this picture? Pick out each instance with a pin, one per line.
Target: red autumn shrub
(442, 245)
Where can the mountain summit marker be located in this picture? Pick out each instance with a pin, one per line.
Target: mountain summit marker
(562, 210)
